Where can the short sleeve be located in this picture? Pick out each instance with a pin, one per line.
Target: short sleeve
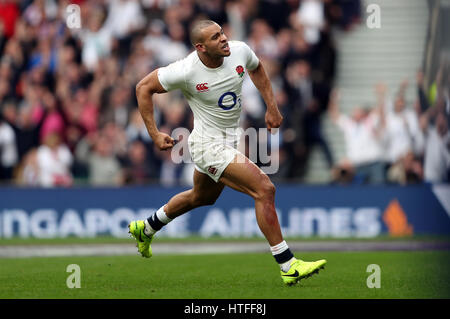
(171, 77)
(252, 60)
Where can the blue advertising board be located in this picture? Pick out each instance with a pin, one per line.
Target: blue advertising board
(327, 211)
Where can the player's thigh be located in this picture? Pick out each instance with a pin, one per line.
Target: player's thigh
(205, 189)
(243, 175)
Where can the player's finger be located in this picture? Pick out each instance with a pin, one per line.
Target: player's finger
(167, 146)
(170, 141)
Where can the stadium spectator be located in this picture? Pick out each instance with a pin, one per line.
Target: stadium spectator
(116, 137)
(407, 170)
(165, 47)
(136, 128)
(118, 107)
(311, 16)
(262, 40)
(343, 173)
(82, 110)
(344, 13)
(437, 151)
(137, 170)
(363, 141)
(124, 18)
(155, 41)
(140, 62)
(237, 13)
(175, 116)
(96, 39)
(403, 132)
(8, 150)
(26, 129)
(28, 171)
(308, 99)
(11, 65)
(54, 161)
(82, 152)
(276, 13)
(9, 13)
(54, 121)
(423, 104)
(103, 166)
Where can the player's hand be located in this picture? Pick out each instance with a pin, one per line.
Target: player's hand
(163, 141)
(273, 119)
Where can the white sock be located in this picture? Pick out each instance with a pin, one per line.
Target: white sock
(162, 216)
(148, 230)
(287, 265)
(161, 220)
(278, 249)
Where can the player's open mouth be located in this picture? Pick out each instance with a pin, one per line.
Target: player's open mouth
(226, 47)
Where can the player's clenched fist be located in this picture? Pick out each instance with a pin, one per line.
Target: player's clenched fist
(273, 119)
(163, 141)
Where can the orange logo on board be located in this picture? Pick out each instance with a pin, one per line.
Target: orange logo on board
(396, 220)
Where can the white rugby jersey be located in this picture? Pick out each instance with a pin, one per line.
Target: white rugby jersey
(214, 94)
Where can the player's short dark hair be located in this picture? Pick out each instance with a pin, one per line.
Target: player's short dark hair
(196, 35)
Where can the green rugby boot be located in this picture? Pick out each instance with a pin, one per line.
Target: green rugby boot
(301, 269)
(136, 229)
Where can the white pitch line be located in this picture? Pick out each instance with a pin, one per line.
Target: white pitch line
(22, 251)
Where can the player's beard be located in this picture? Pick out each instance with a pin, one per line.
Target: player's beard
(219, 52)
(216, 56)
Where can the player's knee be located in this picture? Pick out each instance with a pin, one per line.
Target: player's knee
(266, 190)
(210, 201)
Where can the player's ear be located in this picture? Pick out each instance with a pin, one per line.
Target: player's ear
(200, 47)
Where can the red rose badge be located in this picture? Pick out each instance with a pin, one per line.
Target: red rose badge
(240, 70)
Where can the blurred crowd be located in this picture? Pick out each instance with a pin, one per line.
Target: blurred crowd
(68, 110)
(394, 142)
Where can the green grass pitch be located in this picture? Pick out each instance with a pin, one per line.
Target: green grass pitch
(237, 276)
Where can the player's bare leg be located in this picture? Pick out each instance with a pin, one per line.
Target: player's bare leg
(244, 176)
(204, 192)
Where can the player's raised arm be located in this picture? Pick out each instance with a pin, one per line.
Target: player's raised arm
(261, 80)
(145, 89)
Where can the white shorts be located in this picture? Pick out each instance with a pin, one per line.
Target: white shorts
(211, 157)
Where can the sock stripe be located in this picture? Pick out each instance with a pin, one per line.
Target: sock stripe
(284, 256)
(155, 223)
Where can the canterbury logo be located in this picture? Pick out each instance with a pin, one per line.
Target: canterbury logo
(212, 170)
(202, 87)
